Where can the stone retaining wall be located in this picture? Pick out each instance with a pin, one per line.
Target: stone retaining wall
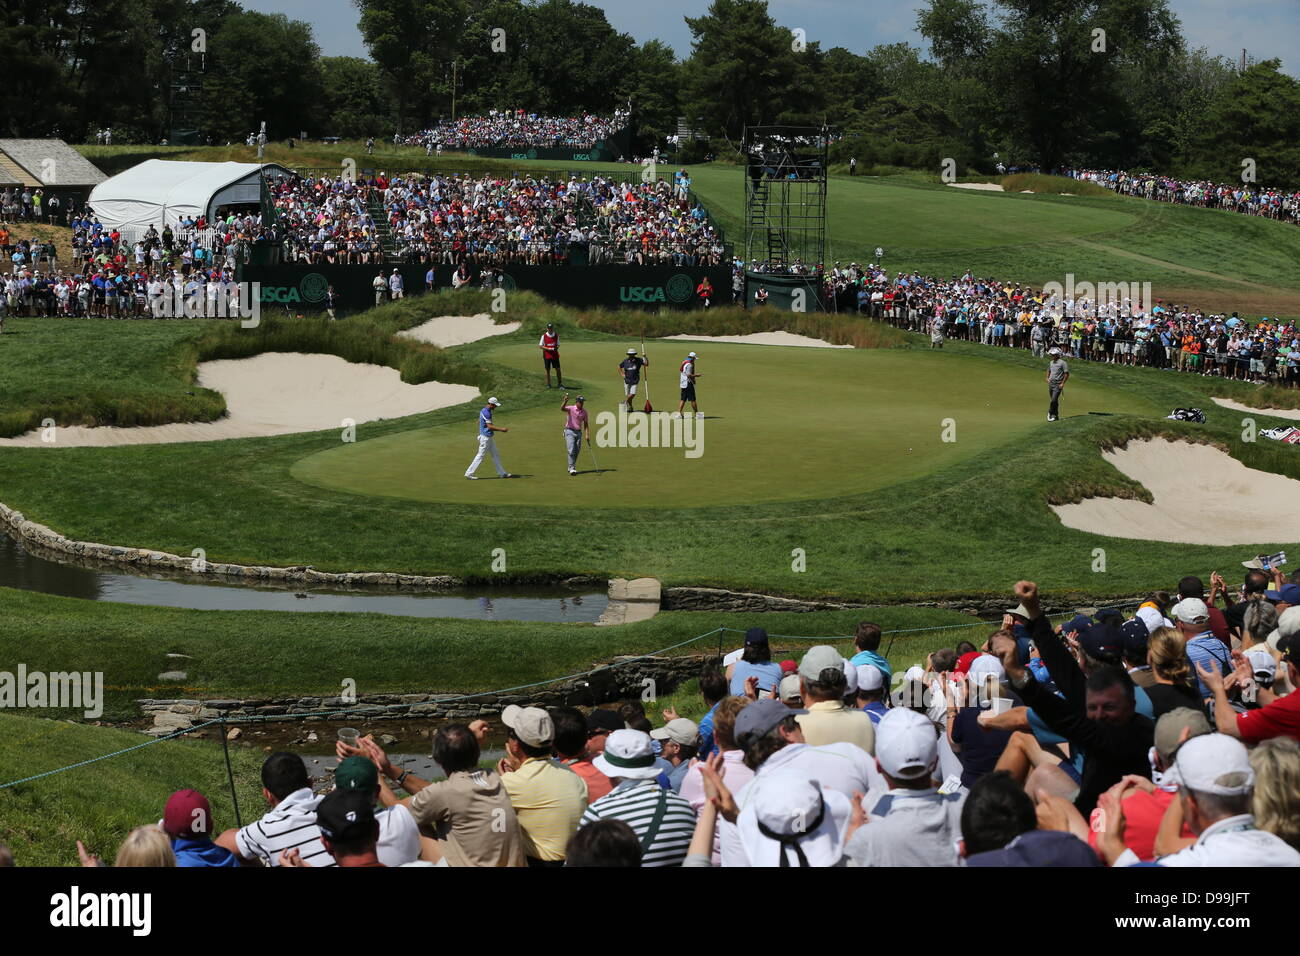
(624, 679)
(46, 542)
(720, 599)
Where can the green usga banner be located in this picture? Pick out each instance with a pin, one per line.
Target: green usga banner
(298, 287)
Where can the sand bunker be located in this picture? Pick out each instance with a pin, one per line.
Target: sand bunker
(448, 330)
(1291, 413)
(763, 338)
(278, 393)
(990, 187)
(1201, 496)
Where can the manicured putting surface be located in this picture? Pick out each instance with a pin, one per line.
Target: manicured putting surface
(783, 424)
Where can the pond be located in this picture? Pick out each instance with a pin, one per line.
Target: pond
(19, 568)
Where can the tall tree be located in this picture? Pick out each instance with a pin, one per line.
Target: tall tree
(354, 103)
(262, 67)
(1255, 118)
(410, 40)
(1054, 69)
(744, 69)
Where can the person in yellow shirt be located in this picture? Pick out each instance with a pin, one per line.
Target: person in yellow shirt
(823, 683)
(549, 798)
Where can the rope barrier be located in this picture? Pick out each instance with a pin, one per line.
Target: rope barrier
(368, 709)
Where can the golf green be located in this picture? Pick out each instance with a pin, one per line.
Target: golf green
(781, 423)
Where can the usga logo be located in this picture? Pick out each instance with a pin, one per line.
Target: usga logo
(677, 289)
(641, 293)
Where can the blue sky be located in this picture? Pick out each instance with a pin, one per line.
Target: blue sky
(1266, 28)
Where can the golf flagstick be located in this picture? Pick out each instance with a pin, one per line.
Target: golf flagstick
(648, 407)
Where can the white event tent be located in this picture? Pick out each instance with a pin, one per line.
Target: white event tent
(161, 192)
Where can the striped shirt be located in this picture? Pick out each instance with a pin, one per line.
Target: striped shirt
(290, 823)
(636, 802)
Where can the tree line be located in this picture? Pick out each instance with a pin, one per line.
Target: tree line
(1029, 83)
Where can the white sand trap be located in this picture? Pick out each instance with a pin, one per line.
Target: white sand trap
(448, 330)
(278, 393)
(763, 338)
(989, 187)
(1201, 496)
(1291, 413)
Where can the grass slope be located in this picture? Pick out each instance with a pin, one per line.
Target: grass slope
(42, 821)
(244, 654)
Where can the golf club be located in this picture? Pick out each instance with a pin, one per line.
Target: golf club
(594, 463)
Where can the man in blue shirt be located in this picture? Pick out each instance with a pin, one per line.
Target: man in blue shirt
(1192, 617)
(871, 691)
(866, 638)
(187, 819)
(486, 442)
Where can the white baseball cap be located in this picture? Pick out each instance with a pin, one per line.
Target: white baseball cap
(1191, 611)
(850, 677)
(494, 400)
(1262, 662)
(789, 814)
(789, 689)
(1288, 625)
(631, 351)
(532, 725)
(1213, 763)
(906, 744)
(1054, 352)
(690, 355)
(870, 677)
(985, 665)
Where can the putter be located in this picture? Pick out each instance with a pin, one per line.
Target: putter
(595, 463)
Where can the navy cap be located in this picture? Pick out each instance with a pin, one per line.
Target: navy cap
(1288, 593)
(1080, 622)
(1110, 614)
(1039, 848)
(1135, 638)
(760, 717)
(756, 635)
(1102, 642)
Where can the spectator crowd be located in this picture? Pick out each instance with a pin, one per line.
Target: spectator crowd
(1248, 199)
(519, 129)
(1124, 332)
(1169, 737)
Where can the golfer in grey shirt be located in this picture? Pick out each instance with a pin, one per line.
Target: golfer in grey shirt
(1058, 373)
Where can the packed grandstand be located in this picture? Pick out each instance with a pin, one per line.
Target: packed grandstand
(519, 129)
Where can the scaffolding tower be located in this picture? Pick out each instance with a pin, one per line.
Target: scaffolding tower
(785, 198)
(185, 99)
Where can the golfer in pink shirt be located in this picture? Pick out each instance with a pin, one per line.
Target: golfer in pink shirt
(575, 429)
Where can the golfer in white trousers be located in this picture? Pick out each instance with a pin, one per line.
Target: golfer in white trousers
(486, 442)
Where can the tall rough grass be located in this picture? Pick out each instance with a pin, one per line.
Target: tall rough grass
(1038, 183)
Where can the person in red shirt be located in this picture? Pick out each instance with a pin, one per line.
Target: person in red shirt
(1276, 716)
(571, 746)
(550, 346)
(705, 290)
